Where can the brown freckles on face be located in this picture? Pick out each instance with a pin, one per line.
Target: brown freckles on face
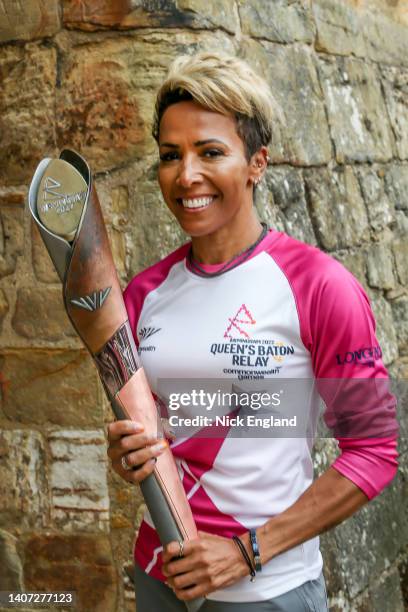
(203, 174)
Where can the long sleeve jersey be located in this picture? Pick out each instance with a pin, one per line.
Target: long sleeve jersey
(292, 312)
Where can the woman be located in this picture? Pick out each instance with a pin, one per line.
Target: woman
(238, 284)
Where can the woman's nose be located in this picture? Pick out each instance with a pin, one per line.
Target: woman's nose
(189, 172)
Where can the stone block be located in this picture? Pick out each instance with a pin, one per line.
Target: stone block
(338, 28)
(23, 485)
(380, 266)
(396, 185)
(43, 267)
(395, 85)
(336, 207)
(386, 41)
(302, 137)
(40, 314)
(11, 575)
(78, 562)
(11, 238)
(28, 19)
(375, 535)
(27, 103)
(281, 21)
(359, 30)
(400, 314)
(97, 14)
(385, 330)
(400, 249)
(287, 187)
(385, 595)
(379, 208)
(356, 110)
(78, 480)
(50, 387)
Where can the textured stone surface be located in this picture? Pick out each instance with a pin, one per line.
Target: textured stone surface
(356, 110)
(347, 30)
(4, 306)
(125, 14)
(78, 479)
(53, 387)
(287, 187)
(11, 238)
(26, 19)
(80, 562)
(336, 207)
(279, 21)
(380, 266)
(23, 484)
(27, 102)
(400, 313)
(400, 249)
(386, 595)
(304, 139)
(379, 207)
(11, 574)
(396, 185)
(395, 83)
(49, 322)
(380, 526)
(385, 331)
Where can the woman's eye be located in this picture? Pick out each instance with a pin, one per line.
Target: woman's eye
(168, 156)
(172, 155)
(212, 153)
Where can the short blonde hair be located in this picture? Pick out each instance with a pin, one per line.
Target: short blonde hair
(224, 84)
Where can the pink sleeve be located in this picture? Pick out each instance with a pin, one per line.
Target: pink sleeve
(338, 328)
(352, 380)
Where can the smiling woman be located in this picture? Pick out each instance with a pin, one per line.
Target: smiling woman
(276, 308)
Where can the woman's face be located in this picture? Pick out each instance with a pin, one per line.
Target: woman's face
(204, 175)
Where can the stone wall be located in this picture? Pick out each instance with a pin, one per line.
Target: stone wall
(83, 73)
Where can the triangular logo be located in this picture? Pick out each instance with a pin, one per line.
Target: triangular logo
(49, 188)
(242, 319)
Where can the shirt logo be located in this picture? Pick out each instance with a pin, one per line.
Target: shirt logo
(365, 356)
(242, 319)
(147, 332)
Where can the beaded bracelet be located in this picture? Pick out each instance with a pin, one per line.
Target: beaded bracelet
(243, 550)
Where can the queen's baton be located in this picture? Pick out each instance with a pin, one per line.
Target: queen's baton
(64, 204)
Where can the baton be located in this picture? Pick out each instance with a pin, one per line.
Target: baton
(64, 205)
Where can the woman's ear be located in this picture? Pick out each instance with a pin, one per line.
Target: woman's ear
(258, 165)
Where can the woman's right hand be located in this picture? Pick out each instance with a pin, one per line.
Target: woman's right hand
(128, 439)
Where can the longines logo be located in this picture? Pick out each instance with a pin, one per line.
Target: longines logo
(365, 356)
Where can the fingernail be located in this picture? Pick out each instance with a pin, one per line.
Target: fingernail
(136, 426)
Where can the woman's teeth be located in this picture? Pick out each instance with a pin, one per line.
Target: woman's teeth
(197, 202)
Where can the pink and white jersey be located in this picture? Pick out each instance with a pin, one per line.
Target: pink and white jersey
(318, 321)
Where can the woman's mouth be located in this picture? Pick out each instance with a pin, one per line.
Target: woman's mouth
(196, 203)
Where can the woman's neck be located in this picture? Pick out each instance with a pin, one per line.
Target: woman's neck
(226, 243)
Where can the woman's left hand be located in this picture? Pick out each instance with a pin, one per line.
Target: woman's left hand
(209, 563)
